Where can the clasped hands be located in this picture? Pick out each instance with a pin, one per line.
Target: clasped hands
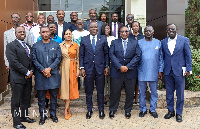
(46, 72)
(123, 69)
(30, 75)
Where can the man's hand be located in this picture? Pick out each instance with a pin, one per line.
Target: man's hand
(160, 75)
(187, 74)
(123, 69)
(7, 68)
(46, 72)
(83, 72)
(106, 71)
(30, 75)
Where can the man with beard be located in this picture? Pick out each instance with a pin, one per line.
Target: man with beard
(177, 66)
(50, 19)
(92, 14)
(61, 24)
(115, 25)
(29, 21)
(34, 32)
(9, 35)
(94, 63)
(74, 18)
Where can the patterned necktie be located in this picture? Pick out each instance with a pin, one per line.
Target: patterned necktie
(93, 43)
(114, 29)
(26, 48)
(125, 46)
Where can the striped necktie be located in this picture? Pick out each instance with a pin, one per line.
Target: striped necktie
(26, 48)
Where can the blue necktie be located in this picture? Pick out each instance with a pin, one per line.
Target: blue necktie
(125, 46)
(93, 43)
(26, 48)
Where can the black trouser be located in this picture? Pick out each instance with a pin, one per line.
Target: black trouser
(21, 95)
(115, 92)
(53, 101)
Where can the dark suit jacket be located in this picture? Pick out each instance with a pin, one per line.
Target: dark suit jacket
(181, 56)
(98, 59)
(65, 27)
(87, 23)
(132, 56)
(19, 62)
(119, 26)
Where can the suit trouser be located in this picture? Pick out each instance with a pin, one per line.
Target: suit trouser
(142, 95)
(21, 95)
(115, 92)
(172, 83)
(89, 87)
(53, 101)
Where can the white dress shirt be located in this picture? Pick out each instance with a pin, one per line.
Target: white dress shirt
(116, 29)
(172, 44)
(123, 42)
(60, 30)
(35, 33)
(110, 39)
(95, 38)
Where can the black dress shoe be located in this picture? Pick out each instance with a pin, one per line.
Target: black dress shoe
(141, 114)
(179, 118)
(169, 115)
(154, 114)
(89, 114)
(111, 114)
(54, 118)
(27, 119)
(42, 120)
(20, 126)
(127, 115)
(101, 115)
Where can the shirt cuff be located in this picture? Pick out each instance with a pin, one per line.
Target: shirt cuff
(81, 67)
(190, 72)
(28, 73)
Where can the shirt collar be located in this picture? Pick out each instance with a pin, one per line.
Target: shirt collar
(125, 40)
(91, 37)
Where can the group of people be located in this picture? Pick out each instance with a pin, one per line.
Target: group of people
(108, 56)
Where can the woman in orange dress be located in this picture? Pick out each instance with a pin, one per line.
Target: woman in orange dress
(69, 71)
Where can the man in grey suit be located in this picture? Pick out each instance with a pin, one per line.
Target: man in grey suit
(9, 35)
(93, 18)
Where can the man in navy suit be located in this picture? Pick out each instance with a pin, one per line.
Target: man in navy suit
(177, 57)
(61, 24)
(124, 55)
(94, 63)
(93, 18)
(115, 25)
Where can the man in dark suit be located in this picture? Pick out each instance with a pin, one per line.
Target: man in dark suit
(94, 63)
(124, 55)
(61, 24)
(177, 66)
(93, 18)
(115, 25)
(19, 57)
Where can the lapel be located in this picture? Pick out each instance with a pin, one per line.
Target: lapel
(178, 41)
(166, 46)
(21, 48)
(98, 42)
(88, 44)
(120, 46)
(128, 46)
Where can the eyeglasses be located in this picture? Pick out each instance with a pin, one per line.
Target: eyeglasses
(79, 23)
(130, 17)
(16, 17)
(28, 16)
(124, 31)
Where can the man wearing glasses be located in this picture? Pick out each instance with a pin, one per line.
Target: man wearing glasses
(9, 35)
(130, 20)
(29, 21)
(124, 55)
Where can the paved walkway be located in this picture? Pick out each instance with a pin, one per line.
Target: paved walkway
(191, 120)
